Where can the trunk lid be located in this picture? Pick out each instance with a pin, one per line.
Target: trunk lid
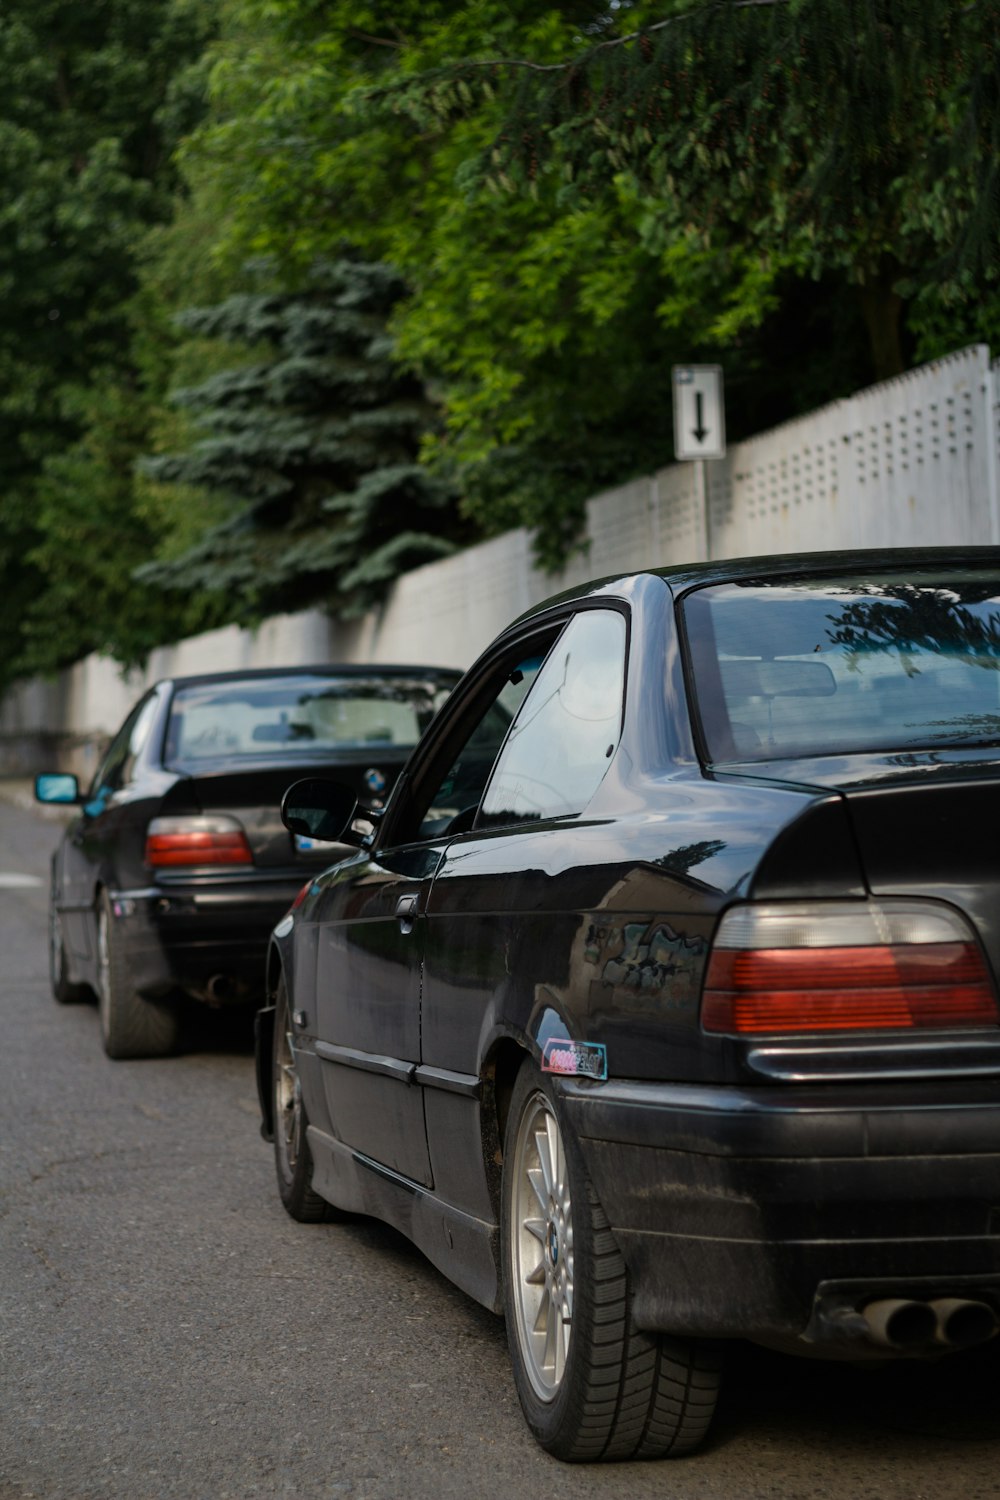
(937, 840)
(923, 825)
(252, 794)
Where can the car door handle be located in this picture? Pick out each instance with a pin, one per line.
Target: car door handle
(406, 912)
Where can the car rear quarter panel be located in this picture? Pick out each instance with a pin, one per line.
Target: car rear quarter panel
(596, 930)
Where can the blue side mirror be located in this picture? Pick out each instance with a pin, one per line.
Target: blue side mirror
(56, 787)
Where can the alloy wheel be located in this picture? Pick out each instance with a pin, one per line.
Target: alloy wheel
(103, 965)
(541, 1247)
(287, 1094)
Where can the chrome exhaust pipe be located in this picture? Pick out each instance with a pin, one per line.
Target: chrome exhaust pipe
(962, 1323)
(899, 1323)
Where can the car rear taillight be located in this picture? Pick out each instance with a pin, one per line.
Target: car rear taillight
(845, 966)
(179, 842)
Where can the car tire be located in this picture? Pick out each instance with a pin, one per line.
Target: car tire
(131, 1025)
(292, 1157)
(63, 989)
(592, 1386)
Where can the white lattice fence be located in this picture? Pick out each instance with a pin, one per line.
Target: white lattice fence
(904, 462)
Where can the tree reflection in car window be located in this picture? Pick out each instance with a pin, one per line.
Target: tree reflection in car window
(811, 667)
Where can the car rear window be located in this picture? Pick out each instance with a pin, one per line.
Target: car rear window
(862, 664)
(288, 716)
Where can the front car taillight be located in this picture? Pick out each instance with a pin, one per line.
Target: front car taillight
(196, 842)
(839, 966)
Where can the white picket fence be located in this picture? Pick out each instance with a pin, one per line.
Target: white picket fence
(912, 461)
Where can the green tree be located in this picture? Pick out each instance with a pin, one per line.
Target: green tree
(579, 196)
(854, 137)
(92, 532)
(94, 98)
(310, 438)
(536, 320)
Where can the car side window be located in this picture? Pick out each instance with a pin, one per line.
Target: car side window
(567, 730)
(118, 764)
(456, 797)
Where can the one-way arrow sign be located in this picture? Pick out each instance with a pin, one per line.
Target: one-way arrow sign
(699, 415)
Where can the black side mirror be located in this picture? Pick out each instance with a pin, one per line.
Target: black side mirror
(320, 809)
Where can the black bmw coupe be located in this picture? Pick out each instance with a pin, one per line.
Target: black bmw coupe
(659, 1005)
(176, 867)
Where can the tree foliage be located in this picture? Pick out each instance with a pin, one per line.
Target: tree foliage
(572, 196)
(312, 436)
(95, 97)
(860, 137)
(581, 195)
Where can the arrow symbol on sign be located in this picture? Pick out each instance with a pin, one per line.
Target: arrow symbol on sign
(700, 430)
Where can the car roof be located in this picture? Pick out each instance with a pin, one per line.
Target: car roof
(684, 576)
(326, 669)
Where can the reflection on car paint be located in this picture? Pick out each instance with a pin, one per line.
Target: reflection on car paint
(648, 956)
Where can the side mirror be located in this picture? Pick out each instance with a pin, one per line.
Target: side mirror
(56, 787)
(320, 809)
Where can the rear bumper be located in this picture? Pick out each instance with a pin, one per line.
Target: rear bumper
(761, 1212)
(188, 936)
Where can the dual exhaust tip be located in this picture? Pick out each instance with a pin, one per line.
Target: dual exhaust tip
(956, 1322)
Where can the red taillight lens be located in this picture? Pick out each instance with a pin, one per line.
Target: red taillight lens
(845, 966)
(191, 842)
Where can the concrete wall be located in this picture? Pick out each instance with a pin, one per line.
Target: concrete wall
(912, 461)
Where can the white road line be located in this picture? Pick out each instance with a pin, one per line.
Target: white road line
(12, 881)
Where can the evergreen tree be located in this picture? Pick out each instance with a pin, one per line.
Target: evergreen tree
(313, 435)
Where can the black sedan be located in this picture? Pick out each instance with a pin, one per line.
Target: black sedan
(174, 871)
(659, 1005)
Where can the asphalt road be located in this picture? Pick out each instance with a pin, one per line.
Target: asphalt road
(168, 1332)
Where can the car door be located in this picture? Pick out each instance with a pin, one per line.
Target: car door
(370, 924)
(368, 957)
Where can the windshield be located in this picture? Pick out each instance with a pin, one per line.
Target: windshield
(289, 716)
(812, 668)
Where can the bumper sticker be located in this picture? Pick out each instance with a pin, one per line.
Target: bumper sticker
(578, 1059)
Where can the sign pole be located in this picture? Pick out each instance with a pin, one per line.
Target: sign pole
(701, 491)
(699, 434)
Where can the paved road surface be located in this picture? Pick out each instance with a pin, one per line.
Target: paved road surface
(168, 1332)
